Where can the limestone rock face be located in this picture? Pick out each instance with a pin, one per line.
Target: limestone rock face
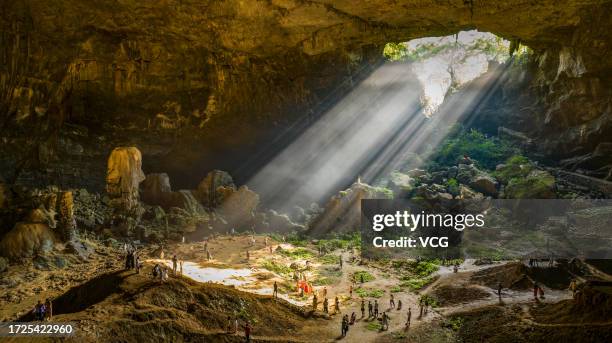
(123, 175)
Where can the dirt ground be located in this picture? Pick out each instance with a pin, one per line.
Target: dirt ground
(107, 301)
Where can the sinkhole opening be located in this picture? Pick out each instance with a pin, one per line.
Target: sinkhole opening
(443, 65)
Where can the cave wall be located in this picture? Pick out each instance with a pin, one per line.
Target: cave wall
(197, 85)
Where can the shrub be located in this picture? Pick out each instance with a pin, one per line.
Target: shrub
(488, 152)
(367, 277)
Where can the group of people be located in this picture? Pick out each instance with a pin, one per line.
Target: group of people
(43, 311)
(132, 260)
(177, 266)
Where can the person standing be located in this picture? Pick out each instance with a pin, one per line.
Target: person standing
(408, 317)
(49, 309)
(385, 322)
(391, 302)
(375, 308)
(174, 265)
(315, 302)
(275, 292)
(362, 308)
(181, 266)
(370, 309)
(499, 290)
(39, 311)
(325, 306)
(247, 332)
(138, 265)
(337, 306)
(343, 326)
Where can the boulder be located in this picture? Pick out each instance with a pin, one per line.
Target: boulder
(485, 184)
(466, 172)
(80, 248)
(27, 240)
(153, 188)
(416, 173)
(123, 176)
(342, 213)
(468, 193)
(206, 192)
(238, 206)
(477, 179)
(538, 184)
(401, 184)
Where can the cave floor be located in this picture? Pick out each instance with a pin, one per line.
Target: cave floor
(24, 285)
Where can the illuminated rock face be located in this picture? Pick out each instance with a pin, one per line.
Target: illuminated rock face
(123, 175)
(198, 82)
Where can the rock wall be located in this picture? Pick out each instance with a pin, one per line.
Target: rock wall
(197, 85)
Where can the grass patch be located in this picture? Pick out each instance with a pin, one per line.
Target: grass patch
(374, 326)
(369, 293)
(328, 259)
(414, 284)
(276, 267)
(429, 300)
(454, 323)
(367, 277)
(421, 268)
(395, 289)
(324, 281)
(297, 253)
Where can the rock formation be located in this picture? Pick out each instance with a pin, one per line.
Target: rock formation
(342, 213)
(29, 237)
(123, 175)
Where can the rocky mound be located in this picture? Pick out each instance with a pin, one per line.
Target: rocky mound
(448, 295)
(127, 307)
(516, 275)
(502, 324)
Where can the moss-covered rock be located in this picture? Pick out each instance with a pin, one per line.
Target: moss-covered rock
(538, 184)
